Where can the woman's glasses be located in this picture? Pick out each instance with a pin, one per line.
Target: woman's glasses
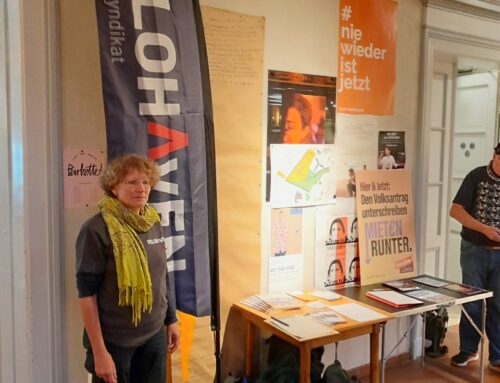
(144, 183)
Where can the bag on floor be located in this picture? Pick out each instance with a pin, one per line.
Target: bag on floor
(334, 373)
(283, 363)
(435, 330)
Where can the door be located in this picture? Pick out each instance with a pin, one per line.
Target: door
(472, 144)
(438, 168)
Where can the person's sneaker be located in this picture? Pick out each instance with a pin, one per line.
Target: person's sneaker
(494, 367)
(462, 359)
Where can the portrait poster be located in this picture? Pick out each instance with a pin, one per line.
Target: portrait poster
(366, 57)
(385, 225)
(82, 169)
(391, 150)
(302, 175)
(301, 110)
(285, 255)
(336, 259)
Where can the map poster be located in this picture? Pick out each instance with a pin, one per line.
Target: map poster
(336, 249)
(385, 225)
(285, 255)
(302, 175)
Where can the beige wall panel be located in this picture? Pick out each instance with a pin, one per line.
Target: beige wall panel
(235, 44)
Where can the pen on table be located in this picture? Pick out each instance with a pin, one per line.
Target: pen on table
(280, 321)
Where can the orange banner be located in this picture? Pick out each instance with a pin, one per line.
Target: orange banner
(367, 57)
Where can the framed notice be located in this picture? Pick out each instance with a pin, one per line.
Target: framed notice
(385, 225)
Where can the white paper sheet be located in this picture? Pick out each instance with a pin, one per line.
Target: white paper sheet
(357, 312)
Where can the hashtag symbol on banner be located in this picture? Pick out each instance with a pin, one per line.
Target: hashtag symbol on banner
(346, 13)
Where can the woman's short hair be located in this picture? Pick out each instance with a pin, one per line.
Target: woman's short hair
(304, 107)
(332, 268)
(120, 166)
(338, 221)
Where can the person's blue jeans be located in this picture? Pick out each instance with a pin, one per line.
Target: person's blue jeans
(481, 268)
(143, 364)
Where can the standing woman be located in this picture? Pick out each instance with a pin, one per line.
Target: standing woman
(122, 280)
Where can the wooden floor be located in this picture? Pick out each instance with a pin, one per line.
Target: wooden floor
(440, 370)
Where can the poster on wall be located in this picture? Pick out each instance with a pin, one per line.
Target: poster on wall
(366, 57)
(336, 258)
(302, 175)
(82, 169)
(346, 168)
(285, 255)
(385, 225)
(391, 150)
(301, 110)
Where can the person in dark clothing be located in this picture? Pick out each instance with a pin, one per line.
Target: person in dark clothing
(122, 280)
(477, 207)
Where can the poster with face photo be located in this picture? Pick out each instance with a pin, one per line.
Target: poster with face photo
(301, 110)
(336, 254)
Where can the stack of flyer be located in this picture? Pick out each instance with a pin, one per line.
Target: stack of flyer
(266, 303)
(327, 317)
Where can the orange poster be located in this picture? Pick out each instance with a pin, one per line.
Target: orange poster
(367, 57)
(386, 233)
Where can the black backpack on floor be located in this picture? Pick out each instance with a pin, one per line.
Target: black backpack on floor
(435, 330)
(283, 363)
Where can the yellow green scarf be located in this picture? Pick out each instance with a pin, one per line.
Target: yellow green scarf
(134, 281)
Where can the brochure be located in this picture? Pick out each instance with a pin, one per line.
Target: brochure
(402, 285)
(393, 298)
(464, 289)
(430, 281)
(430, 296)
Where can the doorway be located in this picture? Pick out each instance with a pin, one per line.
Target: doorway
(473, 139)
(459, 132)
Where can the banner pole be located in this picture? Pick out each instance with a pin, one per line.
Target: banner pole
(211, 191)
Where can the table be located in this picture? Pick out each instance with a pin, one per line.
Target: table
(358, 293)
(255, 319)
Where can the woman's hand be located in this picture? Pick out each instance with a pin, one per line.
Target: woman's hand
(173, 336)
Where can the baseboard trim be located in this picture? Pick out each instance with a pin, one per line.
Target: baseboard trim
(363, 371)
